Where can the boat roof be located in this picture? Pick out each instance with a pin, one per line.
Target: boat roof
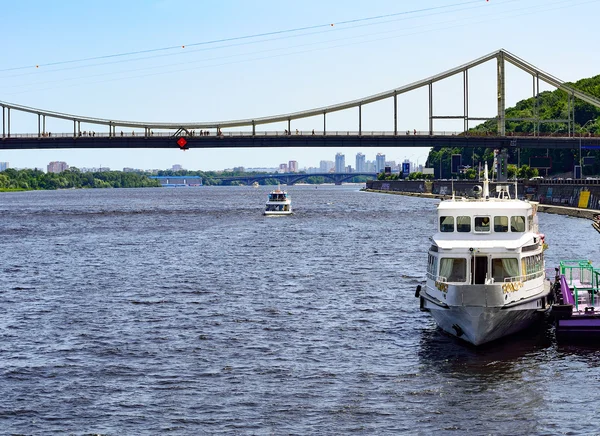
(447, 241)
(484, 206)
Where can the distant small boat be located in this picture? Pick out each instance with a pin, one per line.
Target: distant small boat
(279, 203)
(255, 185)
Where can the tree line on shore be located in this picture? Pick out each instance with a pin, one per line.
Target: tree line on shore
(35, 179)
(28, 179)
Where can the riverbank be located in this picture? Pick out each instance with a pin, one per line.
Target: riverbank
(546, 208)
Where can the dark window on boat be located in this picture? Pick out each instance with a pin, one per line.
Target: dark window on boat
(463, 224)
(453, 269)
(432, 267)
(446, 224)
(517, 224)
(482, 224)
(500, 224)
(505, 268)
(479, 269)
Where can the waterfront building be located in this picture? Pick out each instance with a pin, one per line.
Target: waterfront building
(360, 163)
(283, 168)
(3, 166)
(379, 162)
(370, 166)
(340, 163)
(57, 167)
(293, 166)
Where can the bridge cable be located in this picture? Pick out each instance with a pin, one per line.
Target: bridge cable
(299, 29)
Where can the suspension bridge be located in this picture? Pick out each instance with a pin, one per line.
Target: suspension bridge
(251, 132)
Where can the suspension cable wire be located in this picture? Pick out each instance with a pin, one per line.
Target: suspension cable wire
(493, 16)
(258, 52)
(277, 32)
(238, 44)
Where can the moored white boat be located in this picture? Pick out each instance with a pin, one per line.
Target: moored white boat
(279, 203)
(485, 272)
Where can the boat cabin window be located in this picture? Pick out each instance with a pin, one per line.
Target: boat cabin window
(482, 224)
(532, 266)
(504, 268)
(500, 224)
(432, 267)
(463, 224)
(453, 269)
(517, 223)
(446, 224)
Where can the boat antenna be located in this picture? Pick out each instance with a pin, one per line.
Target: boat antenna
(486, 182)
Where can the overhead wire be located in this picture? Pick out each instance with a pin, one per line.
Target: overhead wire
(537, 10)
(236, 38)
(187, 52)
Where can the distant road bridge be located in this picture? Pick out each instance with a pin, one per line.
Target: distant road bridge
(91, 132)
(293, 178)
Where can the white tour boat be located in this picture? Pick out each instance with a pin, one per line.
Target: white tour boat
(279, 203)
(485, 272)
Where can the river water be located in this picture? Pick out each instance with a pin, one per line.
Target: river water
(185, 311)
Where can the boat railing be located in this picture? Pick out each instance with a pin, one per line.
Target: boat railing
(525, 278)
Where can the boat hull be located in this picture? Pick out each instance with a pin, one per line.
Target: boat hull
(478, 325)
(277, 213)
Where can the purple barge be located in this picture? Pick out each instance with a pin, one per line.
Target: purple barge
(576, 308)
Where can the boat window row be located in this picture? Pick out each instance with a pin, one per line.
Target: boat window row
(532, 266)
(277, 208)
(482, 224)
(503, 269)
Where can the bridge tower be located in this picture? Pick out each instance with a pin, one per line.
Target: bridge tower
(501, 94)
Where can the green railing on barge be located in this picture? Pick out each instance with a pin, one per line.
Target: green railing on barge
(581, 276)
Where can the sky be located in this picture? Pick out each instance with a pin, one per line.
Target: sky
(201, 61)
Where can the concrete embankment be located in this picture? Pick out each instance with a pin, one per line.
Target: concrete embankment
(547, 208)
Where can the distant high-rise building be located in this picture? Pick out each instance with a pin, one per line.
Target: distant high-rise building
(370, 166)
(340, 163)
(176, 167)
(326, 165)
(360, 163)
(293, 166)
(3, 166)
(57, 167)
(283, 168)
(379, 162)
(349, 169)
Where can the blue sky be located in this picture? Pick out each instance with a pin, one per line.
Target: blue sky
(273, 74)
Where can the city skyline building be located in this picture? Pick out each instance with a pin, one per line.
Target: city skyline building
(4, 166)
(360, 163)
(283, 168)
(293, 166)
(57, 167)
(340, 163)
(326, 166)
(379, 162)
